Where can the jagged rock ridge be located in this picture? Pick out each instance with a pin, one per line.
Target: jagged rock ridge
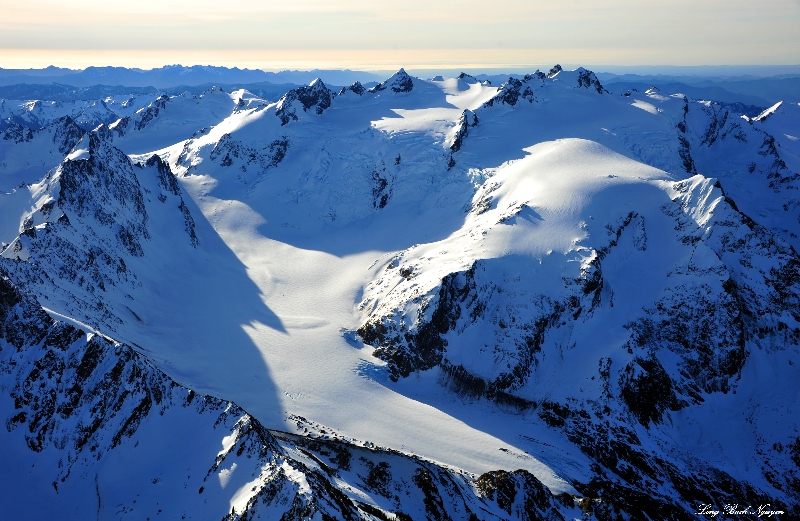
(609, 340)
(81, 399)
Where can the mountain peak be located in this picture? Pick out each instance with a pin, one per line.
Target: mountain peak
(557, 263)
(538, 75)
(400, 81)
(554, 71)
(768, 112)
(588, 80)
(316, 95)
(356, 88)
(510, 93)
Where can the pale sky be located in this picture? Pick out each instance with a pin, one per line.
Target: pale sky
(411, 33)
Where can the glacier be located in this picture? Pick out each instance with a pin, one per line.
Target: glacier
(426, 299)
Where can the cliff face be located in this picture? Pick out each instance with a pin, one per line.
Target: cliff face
(587, 353)
(114, 436)
(589, 299)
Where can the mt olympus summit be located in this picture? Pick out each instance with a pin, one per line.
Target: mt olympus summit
(426, 299)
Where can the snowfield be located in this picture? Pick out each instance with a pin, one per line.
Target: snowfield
(599, 289)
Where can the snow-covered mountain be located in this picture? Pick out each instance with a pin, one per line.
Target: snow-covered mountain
(36, 114)
(26, 155)
(109, 435)
(542, 300)
(172, 76)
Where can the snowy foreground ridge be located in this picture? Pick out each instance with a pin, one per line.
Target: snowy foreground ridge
(430, 299)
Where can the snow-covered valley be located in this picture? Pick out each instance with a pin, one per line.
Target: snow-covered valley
(540, 300)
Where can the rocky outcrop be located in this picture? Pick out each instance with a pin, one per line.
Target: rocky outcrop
(588, 80)
(228, 151)
(691, 343)
(423, 348)
(355, 88)
(147, 115)
(382, 186)
(17, 133)
(169, 183)
(685, 150)
(66, 134)
(468, 119)
(315, 97)
(511, 92)
(521, 496)
(538, 75)
(121, 126)
(104, 188)
(91, 219)
(399, 82)
(80, 399)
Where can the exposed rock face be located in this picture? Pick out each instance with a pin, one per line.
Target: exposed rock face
(521, 495)
(588, 80)
(100, 199)
(17, 133)
(688, 345)
(468, 119)
(146, 116)
(120, 127)
(467, 77)
(685, 150)
(355, 88)
(422, 349)
(622, 347)
(169, 183)
(511, 92)
(80, 400)
(316, 97)
(26, 155)
(66, 134)
(104, 188)
(382, 186)
(229, 151)
(397, 83)
(538, 75)
(554, 71)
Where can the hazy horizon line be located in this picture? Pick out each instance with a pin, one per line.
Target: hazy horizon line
(369, 60)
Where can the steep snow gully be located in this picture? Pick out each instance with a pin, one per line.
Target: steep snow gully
(429, 299)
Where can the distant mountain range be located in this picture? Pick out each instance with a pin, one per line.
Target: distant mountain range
(175, 75)
(752, 91)
(445, 299)
(61, 92)
(60, 84)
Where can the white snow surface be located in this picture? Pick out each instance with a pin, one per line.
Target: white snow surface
(293, 256)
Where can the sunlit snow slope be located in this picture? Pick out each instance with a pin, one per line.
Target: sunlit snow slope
(543, 275)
